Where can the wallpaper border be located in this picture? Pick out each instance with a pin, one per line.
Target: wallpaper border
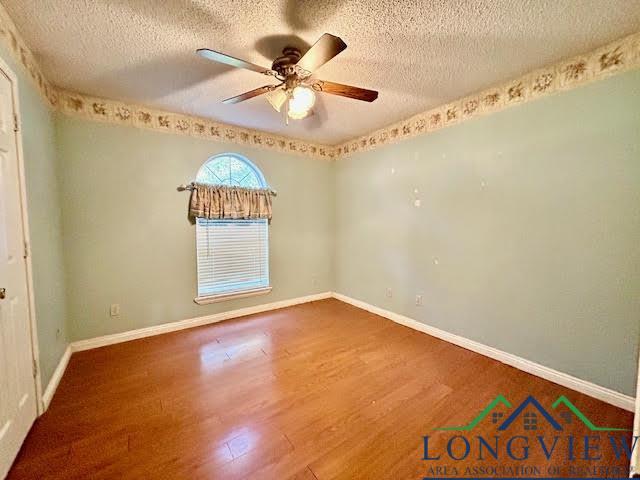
(128, 114)
(17, 47)
(616, 57)
(619, 56)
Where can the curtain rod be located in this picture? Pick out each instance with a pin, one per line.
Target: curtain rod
(190, 186)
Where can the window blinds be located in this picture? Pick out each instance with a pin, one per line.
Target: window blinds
(233, 255)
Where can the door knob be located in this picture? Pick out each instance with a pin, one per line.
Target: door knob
(3, 293)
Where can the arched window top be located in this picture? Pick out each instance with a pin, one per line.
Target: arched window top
(232, 170)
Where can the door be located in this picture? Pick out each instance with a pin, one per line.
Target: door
(17, 385)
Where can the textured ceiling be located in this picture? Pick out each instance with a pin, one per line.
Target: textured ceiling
(417, 54)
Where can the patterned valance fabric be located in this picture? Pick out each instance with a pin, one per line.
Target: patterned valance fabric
(218, 201)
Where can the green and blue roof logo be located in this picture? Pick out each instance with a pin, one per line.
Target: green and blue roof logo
(530, 419)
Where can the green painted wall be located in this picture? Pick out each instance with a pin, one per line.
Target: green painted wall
(43, 197)
(527, 235)
(131, 241)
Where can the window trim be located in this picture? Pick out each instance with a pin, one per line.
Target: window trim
(222, 297)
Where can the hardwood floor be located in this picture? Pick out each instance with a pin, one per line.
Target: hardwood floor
(316, 391)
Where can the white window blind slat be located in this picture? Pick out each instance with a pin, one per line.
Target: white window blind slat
(233, 255)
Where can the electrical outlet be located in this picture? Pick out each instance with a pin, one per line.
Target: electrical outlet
(389, 293)
(419, 300)
(114, 311)
(314, 280)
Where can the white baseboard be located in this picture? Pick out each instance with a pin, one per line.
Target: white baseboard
(160, 329)
(190, 323)
(55, 379)
(596, 391)
(601, 393)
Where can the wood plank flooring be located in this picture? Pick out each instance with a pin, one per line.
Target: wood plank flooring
(313, 392)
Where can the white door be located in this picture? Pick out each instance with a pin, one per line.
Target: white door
(17, 385)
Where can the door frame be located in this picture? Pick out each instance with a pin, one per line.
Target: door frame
(635, 459)
(22, 187)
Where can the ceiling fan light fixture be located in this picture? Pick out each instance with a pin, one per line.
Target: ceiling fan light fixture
(301, 101)
(298, 115)
(304, 96)
(277, 98)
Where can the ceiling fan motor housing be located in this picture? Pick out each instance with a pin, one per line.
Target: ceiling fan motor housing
(285, 64)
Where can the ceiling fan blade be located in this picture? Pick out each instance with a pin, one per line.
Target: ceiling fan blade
(232, 61)
(344, 90)
(327, 47)
(250, 94)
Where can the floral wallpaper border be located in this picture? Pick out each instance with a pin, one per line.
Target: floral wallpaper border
(616, 57)
(110, 111)
(17, 47)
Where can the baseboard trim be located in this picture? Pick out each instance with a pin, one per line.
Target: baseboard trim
(159, 330)
(52, 386)
(105, 340)
(591, 389)
(596, 391)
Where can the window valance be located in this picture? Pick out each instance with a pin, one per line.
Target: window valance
(221, 201)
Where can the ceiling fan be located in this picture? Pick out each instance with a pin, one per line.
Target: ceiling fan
(297, 87)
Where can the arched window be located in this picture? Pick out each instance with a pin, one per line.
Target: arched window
(231, 170)
(233, 255)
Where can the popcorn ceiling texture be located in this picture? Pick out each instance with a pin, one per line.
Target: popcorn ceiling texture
(140, 54)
